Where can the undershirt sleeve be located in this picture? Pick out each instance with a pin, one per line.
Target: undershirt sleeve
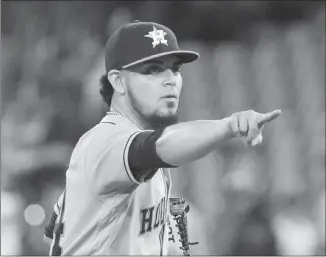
(142, 156)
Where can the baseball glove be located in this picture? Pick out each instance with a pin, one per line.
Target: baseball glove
(179, 210)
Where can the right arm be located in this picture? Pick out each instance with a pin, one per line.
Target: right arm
(190, 141)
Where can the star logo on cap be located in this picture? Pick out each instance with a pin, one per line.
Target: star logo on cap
(157, 36)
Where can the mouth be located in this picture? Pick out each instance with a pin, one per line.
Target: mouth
(170, 96)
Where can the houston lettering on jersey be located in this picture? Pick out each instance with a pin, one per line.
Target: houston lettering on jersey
(151, 218)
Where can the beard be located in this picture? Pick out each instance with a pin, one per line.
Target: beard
(156, 119)
(161, 120)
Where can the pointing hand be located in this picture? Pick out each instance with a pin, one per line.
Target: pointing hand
(249, 124)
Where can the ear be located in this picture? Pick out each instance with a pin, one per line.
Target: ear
(114, 76)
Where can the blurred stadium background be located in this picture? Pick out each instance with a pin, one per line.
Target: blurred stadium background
(254, 55)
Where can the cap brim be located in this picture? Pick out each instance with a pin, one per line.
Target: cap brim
(185, 57)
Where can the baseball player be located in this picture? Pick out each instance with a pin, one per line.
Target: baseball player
(116, 200)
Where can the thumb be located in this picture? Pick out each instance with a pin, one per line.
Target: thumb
(267, 117)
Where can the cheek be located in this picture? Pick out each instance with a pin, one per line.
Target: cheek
(144, 91)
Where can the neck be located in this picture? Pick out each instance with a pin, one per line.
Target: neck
(122, 108)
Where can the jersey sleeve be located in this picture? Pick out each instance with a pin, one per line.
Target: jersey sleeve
(106, 162)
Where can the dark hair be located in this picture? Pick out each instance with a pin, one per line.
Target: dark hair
(106, 90)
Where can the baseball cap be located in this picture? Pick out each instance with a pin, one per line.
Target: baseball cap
(137, 42)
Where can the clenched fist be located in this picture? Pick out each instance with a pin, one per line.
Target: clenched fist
(249, 125)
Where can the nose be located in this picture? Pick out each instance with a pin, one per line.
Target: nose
(169, 78)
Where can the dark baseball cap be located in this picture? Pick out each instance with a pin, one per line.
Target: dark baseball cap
(137, 42)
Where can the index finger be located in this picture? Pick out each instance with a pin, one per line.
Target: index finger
(267, 117)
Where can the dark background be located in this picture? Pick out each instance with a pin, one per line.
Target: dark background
(260, 55)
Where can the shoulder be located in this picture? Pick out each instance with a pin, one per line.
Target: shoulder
(110, 125)
(118, 123)
(111, 130)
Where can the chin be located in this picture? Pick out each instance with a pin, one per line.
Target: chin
(169, 112)
(169, 109)
(164, 118)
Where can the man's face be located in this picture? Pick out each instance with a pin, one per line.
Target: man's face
(153, 89)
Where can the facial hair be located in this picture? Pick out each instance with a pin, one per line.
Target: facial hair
(160, 121)
(156, 120)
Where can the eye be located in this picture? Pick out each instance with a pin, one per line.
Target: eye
(153, 69)
(176, 69)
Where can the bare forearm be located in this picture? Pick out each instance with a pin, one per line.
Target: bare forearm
(190, 141)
